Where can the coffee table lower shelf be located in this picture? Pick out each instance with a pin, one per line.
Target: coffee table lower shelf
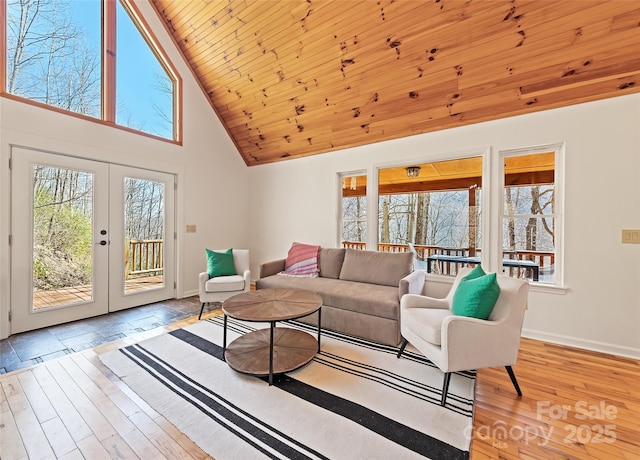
(250, 353)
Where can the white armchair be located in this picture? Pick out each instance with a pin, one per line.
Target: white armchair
(457, 343)
(220, 288)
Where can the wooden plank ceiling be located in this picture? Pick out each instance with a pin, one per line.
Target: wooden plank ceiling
(458, 174)
(294, 78)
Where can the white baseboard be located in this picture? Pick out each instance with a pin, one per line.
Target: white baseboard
(592, 345)
(189, 293)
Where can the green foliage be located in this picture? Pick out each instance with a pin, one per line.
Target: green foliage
(62, 243)
(39, 269)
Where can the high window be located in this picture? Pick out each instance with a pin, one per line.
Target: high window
(531, 217)
(353, 224)
(94, 58)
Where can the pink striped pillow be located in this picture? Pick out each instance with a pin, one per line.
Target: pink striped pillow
(302, 260)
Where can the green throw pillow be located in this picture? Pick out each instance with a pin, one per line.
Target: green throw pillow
(476, 297)
(220, 263)
(477, 272)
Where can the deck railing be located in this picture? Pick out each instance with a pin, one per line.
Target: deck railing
(544, 260)
(143, 258)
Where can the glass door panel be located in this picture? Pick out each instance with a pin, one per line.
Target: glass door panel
(142, 222)
(144, 234)
(60, 254)
(62, 236)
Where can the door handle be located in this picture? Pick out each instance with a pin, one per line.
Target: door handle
(102, 243)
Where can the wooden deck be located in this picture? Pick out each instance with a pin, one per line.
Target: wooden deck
(76, 294)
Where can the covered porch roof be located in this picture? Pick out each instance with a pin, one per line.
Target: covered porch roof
(456, 174)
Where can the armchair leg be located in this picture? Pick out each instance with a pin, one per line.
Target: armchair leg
(513, 380)
(445, 387)
(402, 346)
(201, 310)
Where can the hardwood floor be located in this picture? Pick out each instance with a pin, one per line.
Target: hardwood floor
(576, 405)
(75, 407)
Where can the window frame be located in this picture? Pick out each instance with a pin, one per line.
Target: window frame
(340, 212)
(108, 74)
(492, 202)
(373, 197)
(558, 214)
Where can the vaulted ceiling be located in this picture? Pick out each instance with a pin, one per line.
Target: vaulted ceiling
(293, 78)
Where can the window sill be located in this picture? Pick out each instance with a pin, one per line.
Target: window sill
(533, 287)
(548, 288)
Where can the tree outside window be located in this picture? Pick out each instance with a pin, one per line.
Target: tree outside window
(54, 56)
(428, 219)
(353, 225)
(529, 211)
(53, 53)
(433, 206)
(436, 209)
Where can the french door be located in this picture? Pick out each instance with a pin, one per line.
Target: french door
(88, 238)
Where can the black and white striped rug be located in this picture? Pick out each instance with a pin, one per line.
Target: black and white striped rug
(355, 400)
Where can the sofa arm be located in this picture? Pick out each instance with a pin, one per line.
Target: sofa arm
(420, 301)
(413, 283)
(271, 268)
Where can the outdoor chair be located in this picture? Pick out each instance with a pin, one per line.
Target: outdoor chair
(420, 263)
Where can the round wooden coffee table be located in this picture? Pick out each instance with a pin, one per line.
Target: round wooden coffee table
(277, 349)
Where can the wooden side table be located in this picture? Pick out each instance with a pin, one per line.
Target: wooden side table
(278, 349)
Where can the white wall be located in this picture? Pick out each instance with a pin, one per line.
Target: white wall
(297, 200)
(213, 190)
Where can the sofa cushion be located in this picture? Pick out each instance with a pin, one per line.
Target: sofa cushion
(364, 298)
(225, 284)
(370, 299)
(426, 322)
(384, 268)
(290, 282)
(330, 260)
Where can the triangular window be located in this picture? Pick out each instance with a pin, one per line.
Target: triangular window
(95, 58)
(144, 88)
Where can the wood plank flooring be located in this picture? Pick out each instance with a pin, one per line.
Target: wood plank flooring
(576, 405)
(75, 407)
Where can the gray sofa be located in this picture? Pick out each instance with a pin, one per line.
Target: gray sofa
(360, 290)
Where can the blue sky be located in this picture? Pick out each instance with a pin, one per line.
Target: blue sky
(136, 66)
